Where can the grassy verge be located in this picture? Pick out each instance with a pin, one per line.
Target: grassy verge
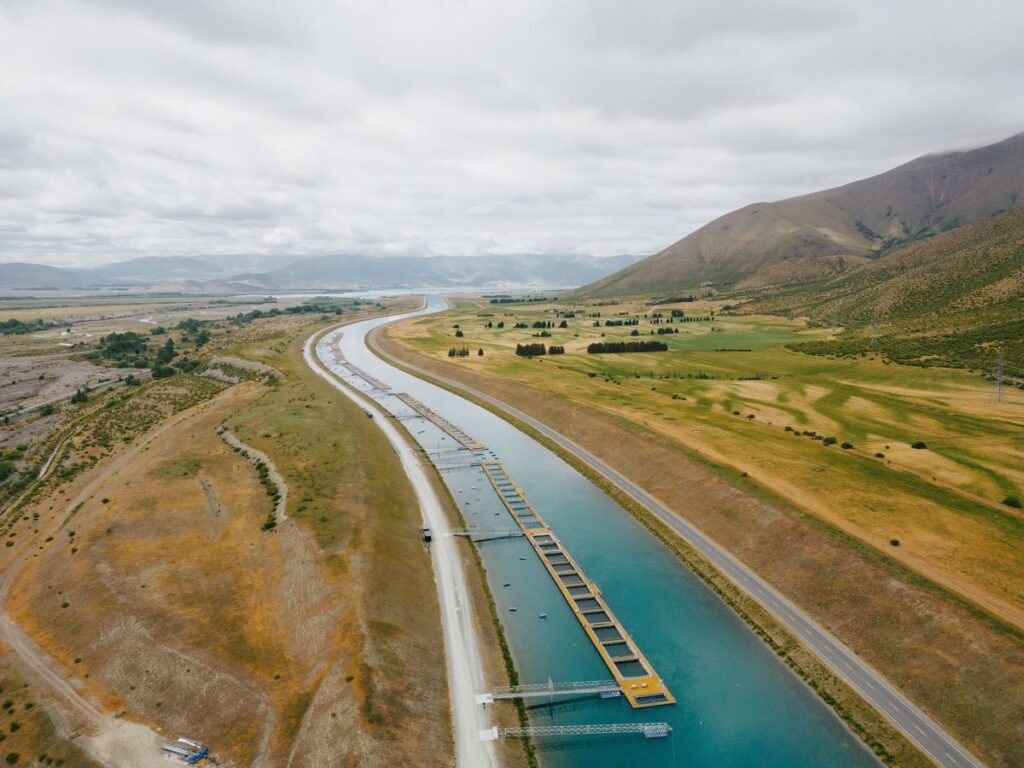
(341, 475)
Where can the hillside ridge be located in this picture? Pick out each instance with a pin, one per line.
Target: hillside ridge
(773, 243)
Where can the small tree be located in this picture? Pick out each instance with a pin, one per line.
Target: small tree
(166, 352)
(480, 353)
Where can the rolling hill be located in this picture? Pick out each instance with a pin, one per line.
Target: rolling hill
(954, 299)
(835, 230)
(37, 277)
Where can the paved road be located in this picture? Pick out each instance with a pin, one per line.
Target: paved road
(462, 646)
(918, 726)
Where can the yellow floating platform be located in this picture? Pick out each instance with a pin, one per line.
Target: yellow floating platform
(639, 683)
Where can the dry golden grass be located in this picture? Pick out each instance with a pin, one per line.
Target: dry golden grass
(954, 661)
(732, 392)
(152, 583)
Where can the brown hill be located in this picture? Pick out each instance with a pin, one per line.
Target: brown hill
(798, 238)
(955, 299)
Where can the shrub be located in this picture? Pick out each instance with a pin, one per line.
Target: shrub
(894, 542)
(846, 446)
(1012, 501)
(161, 371)
(919, 445)
(829, 441)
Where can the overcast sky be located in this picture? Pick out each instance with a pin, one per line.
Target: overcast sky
(184, 127)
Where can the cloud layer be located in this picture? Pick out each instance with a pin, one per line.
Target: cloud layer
(146, 127)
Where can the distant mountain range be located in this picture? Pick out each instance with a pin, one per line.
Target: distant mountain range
(340, 272)
(834, 231)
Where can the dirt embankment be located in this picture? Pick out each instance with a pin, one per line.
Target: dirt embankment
(147, 601)
(950, 660)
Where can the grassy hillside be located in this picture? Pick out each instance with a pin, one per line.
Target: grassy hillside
(772, 243)
(956, 299)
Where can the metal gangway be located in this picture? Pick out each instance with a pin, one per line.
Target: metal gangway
(486, 535)
(647, 730)
(605, 688)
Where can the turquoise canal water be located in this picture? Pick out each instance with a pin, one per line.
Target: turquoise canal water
(738, 705)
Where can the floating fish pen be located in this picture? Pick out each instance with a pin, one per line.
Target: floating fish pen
(632, 671)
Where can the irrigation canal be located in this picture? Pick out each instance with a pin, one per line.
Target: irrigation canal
(736, 704)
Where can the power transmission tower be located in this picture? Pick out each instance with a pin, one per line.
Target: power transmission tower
(997, 378)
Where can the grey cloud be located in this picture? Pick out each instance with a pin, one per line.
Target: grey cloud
(139, 127)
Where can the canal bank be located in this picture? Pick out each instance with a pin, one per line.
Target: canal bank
(738, 704)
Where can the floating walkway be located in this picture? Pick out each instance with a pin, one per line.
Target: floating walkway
(649, 730)
(442, 423)
(634, 674)
(486, 535)
(368, 378)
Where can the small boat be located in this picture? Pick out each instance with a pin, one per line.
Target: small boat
(513, 609)
(542, 615)
(522, 558)
(507, 584)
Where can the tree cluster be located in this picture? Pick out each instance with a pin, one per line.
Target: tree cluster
(531, 350)
(626, 346)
